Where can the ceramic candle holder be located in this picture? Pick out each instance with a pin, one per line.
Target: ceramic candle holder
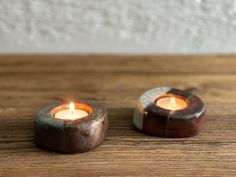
(155, 120)
(71, 136)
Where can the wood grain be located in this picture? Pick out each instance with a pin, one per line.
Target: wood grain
(28, 83)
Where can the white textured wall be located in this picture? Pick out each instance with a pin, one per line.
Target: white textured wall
(118, 26)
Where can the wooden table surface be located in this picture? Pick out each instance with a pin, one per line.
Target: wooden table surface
(29, 83)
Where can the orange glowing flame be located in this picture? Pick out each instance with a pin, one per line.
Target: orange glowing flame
(72, 107)
(172, 100)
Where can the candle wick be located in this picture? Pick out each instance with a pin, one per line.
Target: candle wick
(72, 111)
(172, 100)
(72, 108)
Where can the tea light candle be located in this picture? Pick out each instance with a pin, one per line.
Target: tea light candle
(71, 113)
(71, 128)
(169, 112)
(171, 103)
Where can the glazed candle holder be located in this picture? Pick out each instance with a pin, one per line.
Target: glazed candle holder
(81, 130)
(169, 112)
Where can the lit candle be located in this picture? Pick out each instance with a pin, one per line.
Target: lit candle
(169, 112)
(71, 113)
(171, 103)
(71, 127)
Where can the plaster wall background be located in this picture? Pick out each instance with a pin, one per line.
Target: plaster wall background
(118, 26)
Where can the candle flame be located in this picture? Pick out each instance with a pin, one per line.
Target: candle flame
(172, 100)
(72, 107)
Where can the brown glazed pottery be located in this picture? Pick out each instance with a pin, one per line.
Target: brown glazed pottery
(154, 120)
(71, 136)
